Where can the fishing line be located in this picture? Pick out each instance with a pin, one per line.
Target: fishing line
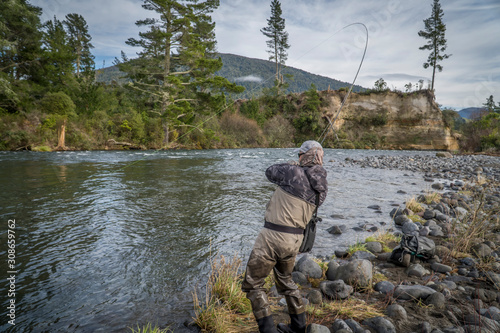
(327, 129)
(259, 86)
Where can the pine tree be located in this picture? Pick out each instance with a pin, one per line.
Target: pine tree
(278, 39)
(58, 57)
(490, 105)
(174, 70)
(20, 39)
(20, 52)
(435, 34)
(79, 40)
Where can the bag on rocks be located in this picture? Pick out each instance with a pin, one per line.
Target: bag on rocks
(412, 247)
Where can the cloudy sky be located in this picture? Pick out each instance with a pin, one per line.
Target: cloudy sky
(321, 45)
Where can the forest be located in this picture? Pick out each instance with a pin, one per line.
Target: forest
(176, 93)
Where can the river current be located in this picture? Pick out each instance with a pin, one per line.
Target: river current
(109, 240)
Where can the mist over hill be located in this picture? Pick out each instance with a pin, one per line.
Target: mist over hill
(253, 74)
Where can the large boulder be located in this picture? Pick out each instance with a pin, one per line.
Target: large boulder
(315, 328)
(374, 247)
(330, 272)
(380, 325)
(335, 289)
(396, 312)
(309, 267)
(415, 292)
(384, 287)
(357, 272)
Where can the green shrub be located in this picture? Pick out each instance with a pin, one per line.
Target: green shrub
(15, 139)
(57, 103)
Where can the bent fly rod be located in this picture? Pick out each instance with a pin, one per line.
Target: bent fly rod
(327, 129)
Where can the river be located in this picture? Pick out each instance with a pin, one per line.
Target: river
(108, 240)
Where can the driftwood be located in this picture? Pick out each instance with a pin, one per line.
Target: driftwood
(27, 147)
(112, 143)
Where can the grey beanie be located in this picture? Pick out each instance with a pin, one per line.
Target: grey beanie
(307, 145)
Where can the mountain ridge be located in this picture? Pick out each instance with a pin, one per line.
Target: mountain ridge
(253, 74)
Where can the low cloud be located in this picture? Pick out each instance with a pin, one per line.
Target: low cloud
(248, 78)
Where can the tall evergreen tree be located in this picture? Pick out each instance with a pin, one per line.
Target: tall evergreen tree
(20, 39)
(175, 67)
(20, 52)
(278, 38)
(58, 56)
(435, 34)
(79, 40)
(490, 105)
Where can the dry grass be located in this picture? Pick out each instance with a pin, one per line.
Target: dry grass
(413, 205)
(225, 308)
(149, 328)
(356, 309)
(416, 219)
(474, 226)
(432, 197)
(383, 237)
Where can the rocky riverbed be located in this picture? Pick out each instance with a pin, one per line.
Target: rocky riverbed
(453, 287)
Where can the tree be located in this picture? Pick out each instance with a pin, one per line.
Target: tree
(58, 57)
(20, 51)
(490, 105)
(278, 39)
(174, 71)
(20, 39)
(60, 106)
(79, 41)
(435, 34)
(380, 85)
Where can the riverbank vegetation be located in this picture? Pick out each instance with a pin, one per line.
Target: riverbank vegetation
(51, 99)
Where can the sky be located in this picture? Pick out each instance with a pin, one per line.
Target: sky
(322, 44)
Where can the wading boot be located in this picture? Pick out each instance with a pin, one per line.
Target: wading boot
(297, 324)
(266, 325)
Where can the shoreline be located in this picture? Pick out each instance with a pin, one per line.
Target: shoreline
(456, 290)
(441, 293)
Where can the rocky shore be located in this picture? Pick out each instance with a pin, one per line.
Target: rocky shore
(453, 287)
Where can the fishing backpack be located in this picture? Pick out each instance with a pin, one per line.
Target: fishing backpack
(412, 247)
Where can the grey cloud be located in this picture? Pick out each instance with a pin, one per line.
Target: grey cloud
(318, 46)
(397, 77)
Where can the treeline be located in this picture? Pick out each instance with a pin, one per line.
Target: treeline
(172, 94)
(49, 97)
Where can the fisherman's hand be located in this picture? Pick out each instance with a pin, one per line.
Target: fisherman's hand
(292, 162)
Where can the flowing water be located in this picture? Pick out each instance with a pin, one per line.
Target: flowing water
(106, 241)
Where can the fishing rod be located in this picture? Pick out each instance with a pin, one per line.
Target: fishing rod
(327, 129)
(223, 108)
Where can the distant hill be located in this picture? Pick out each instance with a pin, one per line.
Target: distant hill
(110, 74)
(253, 74)
(470, 113)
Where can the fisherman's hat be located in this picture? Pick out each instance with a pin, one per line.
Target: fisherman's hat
(307, 145)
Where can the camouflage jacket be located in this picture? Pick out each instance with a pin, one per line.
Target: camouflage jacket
(301, 182)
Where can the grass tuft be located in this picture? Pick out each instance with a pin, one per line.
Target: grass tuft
(413, 205)
(41, 148)
(149, 328)
(432, 197)
(476, 225)
(416, 219)
(356, 247)
(356, 309)
(225, 308)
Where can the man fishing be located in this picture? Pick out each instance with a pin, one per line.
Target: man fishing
(287, 214)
